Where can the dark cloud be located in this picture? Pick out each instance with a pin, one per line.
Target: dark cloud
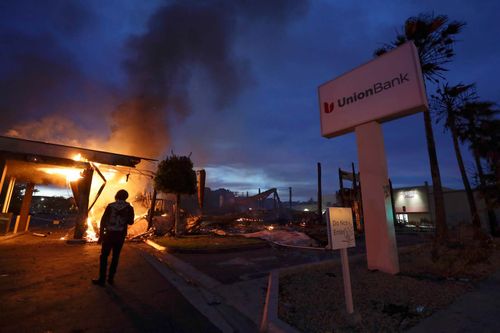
(36, 76)
(38, 71)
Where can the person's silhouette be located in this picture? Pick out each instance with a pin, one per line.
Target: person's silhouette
(113, 230)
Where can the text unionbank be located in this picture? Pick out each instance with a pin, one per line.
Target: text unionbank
(375, 89)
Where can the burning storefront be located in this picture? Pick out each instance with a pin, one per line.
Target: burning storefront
(93, 177)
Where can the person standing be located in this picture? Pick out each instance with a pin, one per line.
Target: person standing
(113, 230)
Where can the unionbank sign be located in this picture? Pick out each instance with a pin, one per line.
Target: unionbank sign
(385, 88)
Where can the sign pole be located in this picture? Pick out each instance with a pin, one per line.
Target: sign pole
(346, 276)
(380, 236)
(340, 237)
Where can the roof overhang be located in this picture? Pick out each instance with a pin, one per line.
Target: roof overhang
(51, 153)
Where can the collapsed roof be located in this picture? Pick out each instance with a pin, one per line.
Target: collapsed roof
(51, 153)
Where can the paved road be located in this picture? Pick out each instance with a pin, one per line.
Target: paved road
(240, 266)
(45, 286)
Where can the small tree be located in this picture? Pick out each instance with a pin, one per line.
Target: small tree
(175, 174)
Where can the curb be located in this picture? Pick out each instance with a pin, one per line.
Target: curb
(201, 291)
(191, 293)
(7, 237)
(300, 247)
(219, 250)
(270, 320)
(205, 251)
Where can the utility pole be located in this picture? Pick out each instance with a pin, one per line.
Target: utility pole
(320, 208)
(260, 200)
(290, 196)
(392, 202)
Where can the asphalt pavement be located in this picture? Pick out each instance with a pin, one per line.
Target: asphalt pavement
(45, 286)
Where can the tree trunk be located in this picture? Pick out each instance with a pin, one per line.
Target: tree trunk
(177, 223)
(492, 218)
(476, 222)
(441, 226)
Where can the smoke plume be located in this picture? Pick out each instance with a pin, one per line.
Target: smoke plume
(42, 83)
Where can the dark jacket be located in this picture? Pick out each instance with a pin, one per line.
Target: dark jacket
(116, 218)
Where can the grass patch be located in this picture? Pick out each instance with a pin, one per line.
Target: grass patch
(208, 242)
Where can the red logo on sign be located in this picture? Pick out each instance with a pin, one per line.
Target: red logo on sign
(329, 107)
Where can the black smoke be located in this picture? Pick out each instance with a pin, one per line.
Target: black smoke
(41, 78)
(191, 34)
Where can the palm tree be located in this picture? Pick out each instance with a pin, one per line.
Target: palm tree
(448, 103)
(478, 128)
(434, 37)
(489, 149)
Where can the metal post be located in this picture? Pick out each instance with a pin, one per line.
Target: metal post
(341, 180)
(274, 201)
(152, 209)
(346, 276)
(320, 208)
(25, 207)
(8, 195)
(392, 201)
(341, 188)
(82, 199)
(429, 206)
(3, 173)
(260, 200)
(354, 180)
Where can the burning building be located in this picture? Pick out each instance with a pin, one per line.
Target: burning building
(93, 177)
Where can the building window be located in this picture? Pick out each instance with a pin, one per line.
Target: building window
(402, 218)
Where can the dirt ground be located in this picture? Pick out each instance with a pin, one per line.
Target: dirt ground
(45, 287)
(312, 299)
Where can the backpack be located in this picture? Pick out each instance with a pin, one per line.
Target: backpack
(118, 219)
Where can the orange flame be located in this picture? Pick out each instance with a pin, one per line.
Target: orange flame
(91, 234)
(70, 174)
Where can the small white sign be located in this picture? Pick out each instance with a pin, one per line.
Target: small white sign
(341, 228)
(388, 87)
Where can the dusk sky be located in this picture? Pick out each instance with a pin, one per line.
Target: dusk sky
(232, 82)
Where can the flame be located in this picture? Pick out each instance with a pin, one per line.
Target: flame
(70, 174)
(79, 158)
(90, 233)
